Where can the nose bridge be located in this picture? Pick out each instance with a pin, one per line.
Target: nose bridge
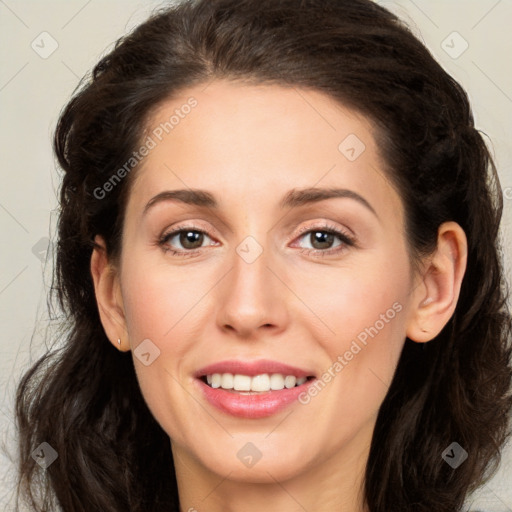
(249, 297)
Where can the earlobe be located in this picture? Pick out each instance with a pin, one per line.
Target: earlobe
(435, 298)
(108, 297)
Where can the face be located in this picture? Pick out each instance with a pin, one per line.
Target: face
(298, 298)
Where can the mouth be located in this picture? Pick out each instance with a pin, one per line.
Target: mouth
(252, 390)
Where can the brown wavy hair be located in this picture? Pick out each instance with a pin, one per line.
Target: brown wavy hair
(83, 398)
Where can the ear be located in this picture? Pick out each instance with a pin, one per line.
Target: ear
(435, 296)
(108, 295)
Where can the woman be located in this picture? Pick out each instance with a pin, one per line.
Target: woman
(278, 256)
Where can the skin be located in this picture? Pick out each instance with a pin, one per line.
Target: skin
(249, 146)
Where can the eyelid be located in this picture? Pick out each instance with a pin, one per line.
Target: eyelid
(325, 225)
(188, 225)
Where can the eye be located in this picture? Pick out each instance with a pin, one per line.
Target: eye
(325, 240)
(184, 240)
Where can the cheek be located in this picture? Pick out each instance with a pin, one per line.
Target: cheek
(363, 295)
(161, 303)
(364, 309)
(160, 300)
(164, 304)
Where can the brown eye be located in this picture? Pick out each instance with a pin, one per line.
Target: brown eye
(191, 239)
(324, 240)
(183, 240)
(321, 239)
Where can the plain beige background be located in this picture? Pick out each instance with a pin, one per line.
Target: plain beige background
(46, 46)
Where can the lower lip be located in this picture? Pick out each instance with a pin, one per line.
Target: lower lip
(258, 405)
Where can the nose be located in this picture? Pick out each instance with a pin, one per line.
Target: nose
(253, 298)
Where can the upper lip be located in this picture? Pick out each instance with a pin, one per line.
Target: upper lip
(252, 368)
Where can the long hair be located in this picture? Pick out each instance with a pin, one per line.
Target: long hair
(82, 397)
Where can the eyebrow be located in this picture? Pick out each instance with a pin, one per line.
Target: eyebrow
(293, 199)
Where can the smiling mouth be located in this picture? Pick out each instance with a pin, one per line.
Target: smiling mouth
(256, 384)
(253, 389)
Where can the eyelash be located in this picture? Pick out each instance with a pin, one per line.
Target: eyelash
(346, 240)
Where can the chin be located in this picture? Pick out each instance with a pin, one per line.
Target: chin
(251, 459)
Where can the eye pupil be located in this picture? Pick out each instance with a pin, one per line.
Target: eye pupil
(323, 238)
(191, 237)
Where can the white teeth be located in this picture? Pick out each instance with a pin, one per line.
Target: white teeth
(276, 382)
(227, 381)
(242, 383)
(216, 380)
(289, 381)
(258, 383)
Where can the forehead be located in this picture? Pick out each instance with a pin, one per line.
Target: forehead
(240, 140)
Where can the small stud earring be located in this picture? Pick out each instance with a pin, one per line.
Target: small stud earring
(427, 301)
(119, 341)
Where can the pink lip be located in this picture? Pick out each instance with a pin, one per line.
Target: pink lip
(252, 406)
(252, 368)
